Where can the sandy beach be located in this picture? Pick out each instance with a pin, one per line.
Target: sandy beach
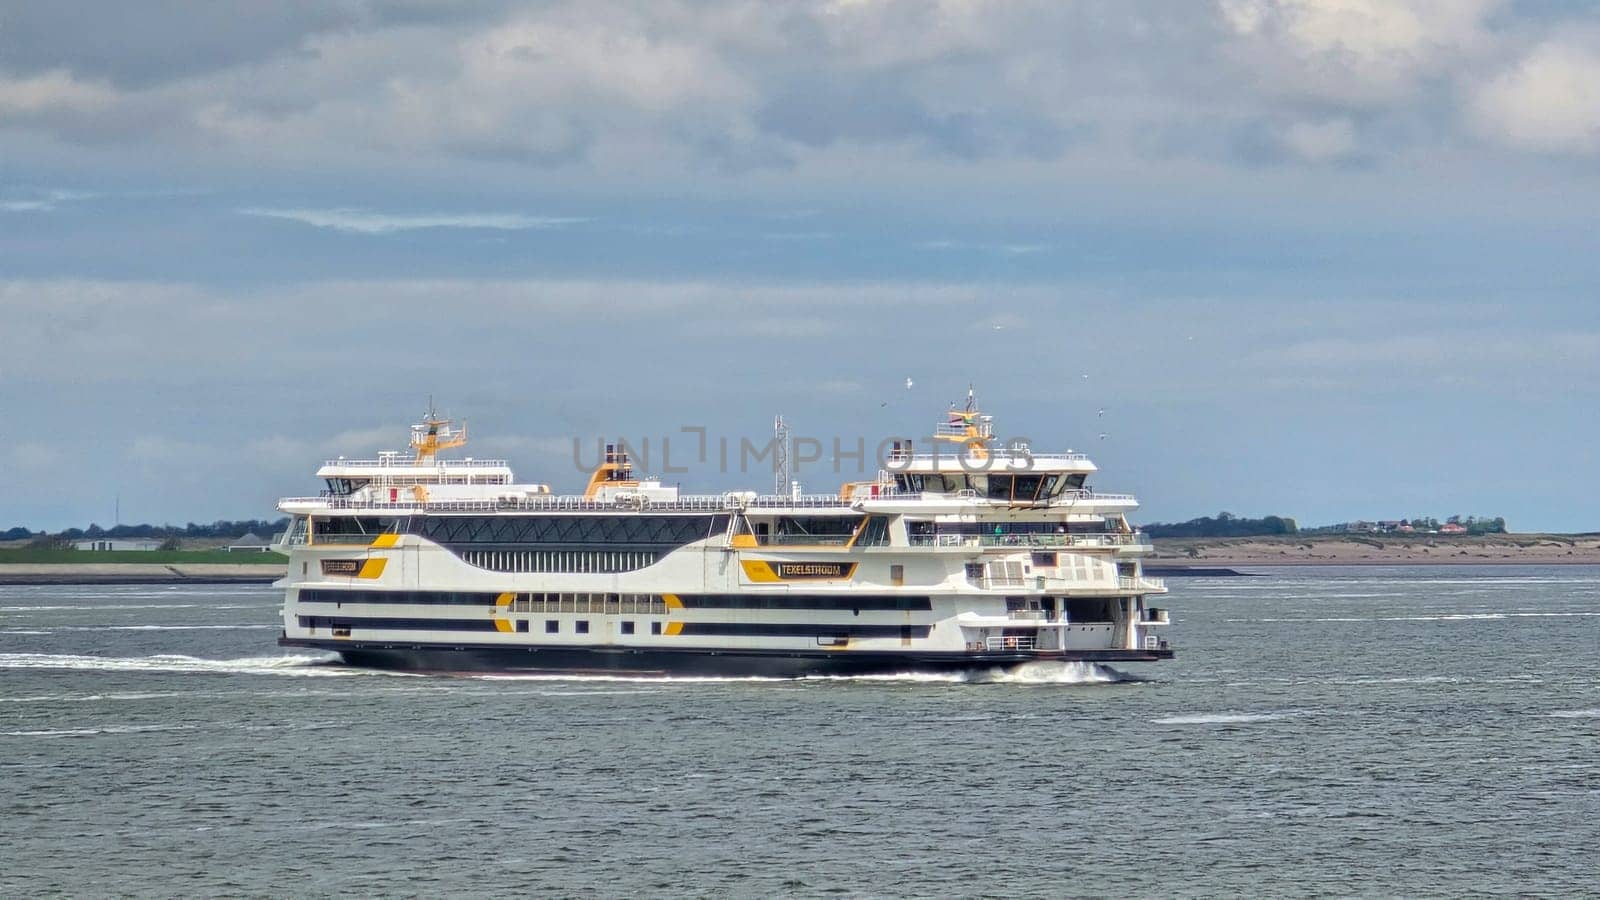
(1377, 550)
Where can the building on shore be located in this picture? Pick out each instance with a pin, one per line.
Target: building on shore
(118, 544)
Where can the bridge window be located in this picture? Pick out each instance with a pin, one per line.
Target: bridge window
(814, 529)
(874, 533)
(1026, 488)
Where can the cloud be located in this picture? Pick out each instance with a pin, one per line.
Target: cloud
(1469, 356)
(1003, 249)
(1326, 140)
(45, 201)
(1549, 101)
(1356, 52)
(50, 94)
(365, 222)
(646, 89)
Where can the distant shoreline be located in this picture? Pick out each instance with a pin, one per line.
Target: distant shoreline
(1174, 557)
(1377, 550)
(138, 573)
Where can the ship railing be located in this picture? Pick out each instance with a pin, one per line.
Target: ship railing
(573, 503)
(318, 538)
(410, 462)
(1073, 497)
(991, 456)
(997, 582)
(819, 540)
(1011, 642)
(1030, 539)
(1030, 615)
(960, 429)
(806, 501)
(1140, 583)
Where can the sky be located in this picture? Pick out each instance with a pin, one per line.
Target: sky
(1330, 259)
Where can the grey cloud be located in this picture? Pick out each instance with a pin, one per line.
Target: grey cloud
(151, 41)
(740, 84)
(145, 43)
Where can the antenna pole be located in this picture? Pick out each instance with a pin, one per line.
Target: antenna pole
(780, 456)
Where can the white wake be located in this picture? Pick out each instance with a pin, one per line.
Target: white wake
(301, 666)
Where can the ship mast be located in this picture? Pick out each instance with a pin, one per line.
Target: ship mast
(434, 434)
(968, 427)
(780, 457)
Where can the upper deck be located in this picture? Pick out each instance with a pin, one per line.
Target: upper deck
(961, 475)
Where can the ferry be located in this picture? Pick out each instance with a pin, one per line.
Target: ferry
(961, 556)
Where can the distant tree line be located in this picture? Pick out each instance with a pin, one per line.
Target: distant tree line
(1475, 525)
(1224, 524)
(1418, 524)
(222, 528)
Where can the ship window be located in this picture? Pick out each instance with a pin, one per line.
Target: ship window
(552, 626)
(999, 487)
(874, 533)
(1047, 488)
(655, 627)
(1044, 559)
(1089, 609)
(1026, 488)
(583, 626)
(814, 530)
(1075, 482)
(522, 625)
(562, 532)
(627, 628)
(343, 487)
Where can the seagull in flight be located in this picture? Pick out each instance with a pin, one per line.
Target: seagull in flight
(909, 383)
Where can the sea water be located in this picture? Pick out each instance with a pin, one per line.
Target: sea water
(1382, 731)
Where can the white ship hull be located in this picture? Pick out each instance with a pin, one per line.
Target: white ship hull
(450, 566)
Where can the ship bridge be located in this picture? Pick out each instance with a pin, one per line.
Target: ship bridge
(963, 462)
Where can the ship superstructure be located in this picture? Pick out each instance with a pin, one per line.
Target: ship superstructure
(963, 555)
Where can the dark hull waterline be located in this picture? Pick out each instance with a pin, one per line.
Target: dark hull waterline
(482, 658)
